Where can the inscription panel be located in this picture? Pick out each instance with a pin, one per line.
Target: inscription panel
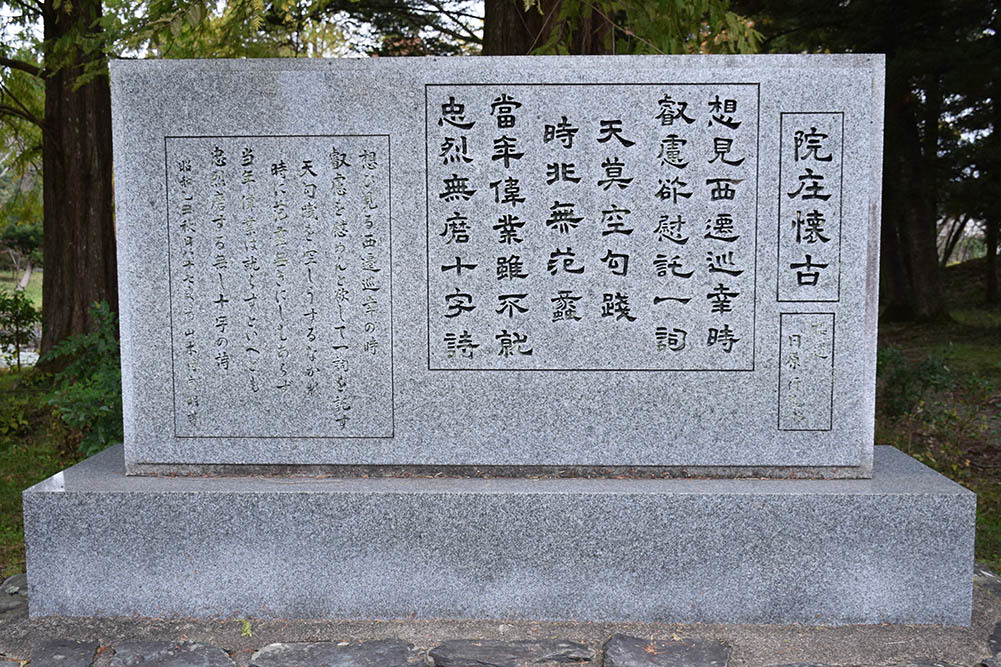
(588, 263)
(811, 157)
(280, 285)
(806, 371)
(592, 227)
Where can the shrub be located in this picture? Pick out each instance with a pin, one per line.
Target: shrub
(18, 318)
(901, 385)
(88, 393)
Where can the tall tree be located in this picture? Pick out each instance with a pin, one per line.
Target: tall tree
(75, 118)
(992, 221)
(927, 45)
(78, 227)
(590, 27)
(75, 123)
(78, 219)
(984, 98)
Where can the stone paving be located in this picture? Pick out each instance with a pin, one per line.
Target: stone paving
(118, 642)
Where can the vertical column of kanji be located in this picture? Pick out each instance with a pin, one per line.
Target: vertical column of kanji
(451, 165)
(512, 266)
(279, 264)
(311, 308)
(565, 264)
(676, 238)
(619, 154)
(219, 223)
(371, 282)
(810, 177)
(730, 230)
(565, 189)
(806, 371)
(188, 228)
(341, 400)
(249, 338)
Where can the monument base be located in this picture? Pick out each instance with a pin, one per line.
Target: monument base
(896, 548)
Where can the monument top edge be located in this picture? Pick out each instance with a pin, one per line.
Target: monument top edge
(810, 60)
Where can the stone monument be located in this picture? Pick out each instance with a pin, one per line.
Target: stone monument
(553, 338)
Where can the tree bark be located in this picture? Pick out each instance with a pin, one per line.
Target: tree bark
(25, 277)
(912, 288)
(894, 274)
(992, 224)
(956, 231)
(15, 263)
(991, 263)
(79, 235)
(510, 30)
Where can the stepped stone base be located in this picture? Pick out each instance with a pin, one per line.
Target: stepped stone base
(895, 548)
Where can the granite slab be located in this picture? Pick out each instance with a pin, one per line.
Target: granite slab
(500, 263)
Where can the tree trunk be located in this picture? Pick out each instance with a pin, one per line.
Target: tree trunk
(991, 265)
(79, 235)
(912, 288)
(952, 237)
(511, 30)
(894, 280)
(25, 277)
(992, 224)
(15, 264)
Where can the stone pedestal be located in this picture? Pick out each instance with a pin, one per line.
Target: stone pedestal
(894, 548)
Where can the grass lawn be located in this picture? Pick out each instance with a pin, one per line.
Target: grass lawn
(938, 399)
(34, 289)
(32, 447)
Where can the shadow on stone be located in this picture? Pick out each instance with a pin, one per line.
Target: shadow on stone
(14, 597)
(63, 653)
(497, 653)
(169, 654)
(626, 651)
(379, 653)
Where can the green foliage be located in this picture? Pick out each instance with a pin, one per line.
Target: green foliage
(21, 208)
(31, 449)
(88, 394)
(289, 29)
(33, 291)
(23, 242)
(23, 97)
(653, 26)
(14, 416)
(901, 385)
(18, 318)
(22, 106)
(989, 525)
(175, 29)
(24, 238)
(947, 419)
